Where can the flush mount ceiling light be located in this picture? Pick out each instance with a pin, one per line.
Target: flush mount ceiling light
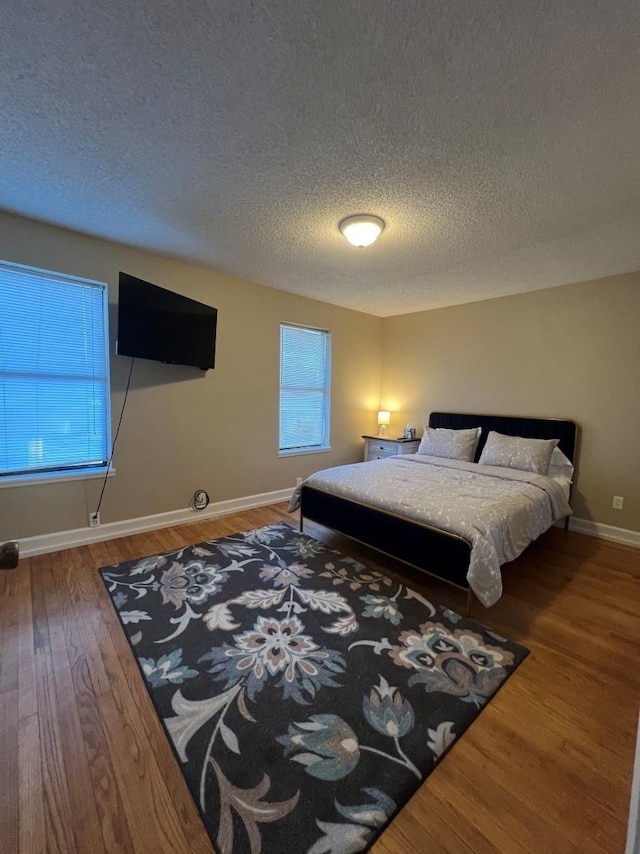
(361, 229)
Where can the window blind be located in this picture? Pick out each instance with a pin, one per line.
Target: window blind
(54, 381)
(304, 388)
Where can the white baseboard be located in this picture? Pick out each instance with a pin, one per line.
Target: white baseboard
(45, 543)
(605, 532)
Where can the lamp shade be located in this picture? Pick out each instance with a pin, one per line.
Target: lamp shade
(384, 418)
(361, 229)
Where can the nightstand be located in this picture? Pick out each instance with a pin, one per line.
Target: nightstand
(377, 447)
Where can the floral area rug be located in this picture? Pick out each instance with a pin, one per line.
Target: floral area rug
(306, 696)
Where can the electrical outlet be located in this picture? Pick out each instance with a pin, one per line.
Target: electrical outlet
(298, 481)
(618, 502)
(94, 520)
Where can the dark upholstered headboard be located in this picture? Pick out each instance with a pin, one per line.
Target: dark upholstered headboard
(530, 428)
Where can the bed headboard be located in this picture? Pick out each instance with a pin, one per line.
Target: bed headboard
(530, 428)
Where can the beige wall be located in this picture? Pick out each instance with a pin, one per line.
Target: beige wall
(570, 352)
(184, 429)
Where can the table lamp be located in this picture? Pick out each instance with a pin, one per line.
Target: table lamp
(384, 418)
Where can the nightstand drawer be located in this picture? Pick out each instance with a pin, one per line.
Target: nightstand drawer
(379, 455)
(377, 448)
(381, 447)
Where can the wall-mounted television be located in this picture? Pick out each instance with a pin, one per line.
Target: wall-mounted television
(154, 323)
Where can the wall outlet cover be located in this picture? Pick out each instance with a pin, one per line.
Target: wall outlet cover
(200, 499)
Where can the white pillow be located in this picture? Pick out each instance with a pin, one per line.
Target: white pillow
(450, 444)
(516, 452)
(560, 465)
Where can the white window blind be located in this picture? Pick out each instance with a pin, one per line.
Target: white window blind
(305, 360)
(54, 373)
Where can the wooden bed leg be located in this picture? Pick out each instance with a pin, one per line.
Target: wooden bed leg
(467, 610)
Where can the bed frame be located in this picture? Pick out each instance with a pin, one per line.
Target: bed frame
(429, 549)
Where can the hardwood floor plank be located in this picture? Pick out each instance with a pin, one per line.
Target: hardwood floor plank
(59, 814)
(31, 796)
(546, 767)
(32, 820)
(9, 707)
(430, 823)
(128, 720)
(28, 699)
(529, 765)
(508, 821)
(111, 814)
(73, 746)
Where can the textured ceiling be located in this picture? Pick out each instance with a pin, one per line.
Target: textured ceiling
(498, 139)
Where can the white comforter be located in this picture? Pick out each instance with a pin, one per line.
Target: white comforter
(499, 510)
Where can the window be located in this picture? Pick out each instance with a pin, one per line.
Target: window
(305, 370)
(54, 374)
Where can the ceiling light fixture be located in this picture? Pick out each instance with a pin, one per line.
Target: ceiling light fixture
(361, 229)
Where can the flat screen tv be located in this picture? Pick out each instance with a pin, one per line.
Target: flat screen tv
(157, 324)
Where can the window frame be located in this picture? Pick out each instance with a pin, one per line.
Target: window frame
(326, 440)
(70, 472)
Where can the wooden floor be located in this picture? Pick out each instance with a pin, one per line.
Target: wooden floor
(546, 767)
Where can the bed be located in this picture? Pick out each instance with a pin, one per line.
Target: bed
(429, 540)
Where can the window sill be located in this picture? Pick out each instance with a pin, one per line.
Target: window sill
(54, 477)
(298, 452)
